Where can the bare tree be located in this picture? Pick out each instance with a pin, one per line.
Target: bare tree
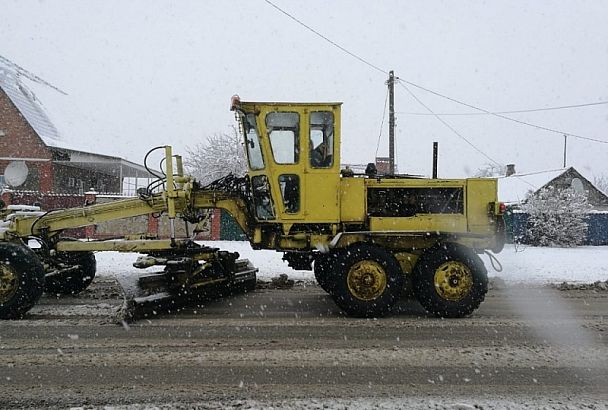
(219, 155)
(490, 170)
(601, 183)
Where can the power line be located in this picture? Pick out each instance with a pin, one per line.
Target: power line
(460, 135)
(333, 43)
(457, 133)
(444, 122)
(563, 107)
(503, 116)
(382, 122)
(377, 68)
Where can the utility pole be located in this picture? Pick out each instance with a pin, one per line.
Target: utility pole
(391, 121)
(565, 148)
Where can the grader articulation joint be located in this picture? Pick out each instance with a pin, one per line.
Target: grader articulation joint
(368, 238)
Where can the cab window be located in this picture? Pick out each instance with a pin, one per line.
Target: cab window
(264, 207)
(283, 133)
(290, 191)
(252, 142)
(321, 139)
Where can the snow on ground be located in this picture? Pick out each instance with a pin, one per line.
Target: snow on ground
(434, 403)
(549, 265)
(521, 264)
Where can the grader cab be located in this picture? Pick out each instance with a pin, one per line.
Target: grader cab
(369, 238)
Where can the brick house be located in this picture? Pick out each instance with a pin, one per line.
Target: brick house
(34, 158)
(38, 168)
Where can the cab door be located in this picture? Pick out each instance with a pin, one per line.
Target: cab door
(295, 161)
(281, 128)
(322, 170)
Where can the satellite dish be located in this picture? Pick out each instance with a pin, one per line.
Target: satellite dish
(15, 173)
(577, 185)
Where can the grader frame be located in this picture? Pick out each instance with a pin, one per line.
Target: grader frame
(369, 237)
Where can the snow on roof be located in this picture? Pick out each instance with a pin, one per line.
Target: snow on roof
(29, 106)
(515, 188)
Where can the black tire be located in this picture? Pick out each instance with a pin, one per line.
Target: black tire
(21, 280)
(323, 268)
(450, 281)
(368, 281)
(71, 273)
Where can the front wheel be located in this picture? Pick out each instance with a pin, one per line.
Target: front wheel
(368, 281)
(71, 273)
(450, 281)
(21, 280)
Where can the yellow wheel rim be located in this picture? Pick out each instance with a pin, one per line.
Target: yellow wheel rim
(366, 280)
(453, 280)
(8, 283)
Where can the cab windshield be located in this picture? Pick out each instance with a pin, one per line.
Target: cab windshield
(252, 142)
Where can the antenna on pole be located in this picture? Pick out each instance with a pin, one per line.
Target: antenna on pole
(29, 75)
(565, 148)
(391, 121)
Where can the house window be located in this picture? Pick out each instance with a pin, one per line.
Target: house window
(80, 185)
(2, 133)
(71, 182)
(577, 186)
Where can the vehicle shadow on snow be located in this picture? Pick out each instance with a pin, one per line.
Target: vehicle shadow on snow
(304, 300)
(301, 302)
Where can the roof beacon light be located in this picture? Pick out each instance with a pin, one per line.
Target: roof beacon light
(235, 102)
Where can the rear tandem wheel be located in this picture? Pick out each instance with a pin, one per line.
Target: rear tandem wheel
(368, 281)
(450, 280)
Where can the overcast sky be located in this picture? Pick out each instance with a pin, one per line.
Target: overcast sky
(144, 73)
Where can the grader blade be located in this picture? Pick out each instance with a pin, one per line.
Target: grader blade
(177, 288)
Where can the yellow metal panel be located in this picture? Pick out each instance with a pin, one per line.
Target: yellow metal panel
(480, 192)
(119, 246)
(322, 201)
(414, 183)
(89, 215)
(420, 223)
(352, 200)
(407, 261)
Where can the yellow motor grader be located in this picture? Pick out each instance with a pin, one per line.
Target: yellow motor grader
(369, 238)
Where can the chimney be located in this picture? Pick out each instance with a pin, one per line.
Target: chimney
(510, 170)
(383, 165)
